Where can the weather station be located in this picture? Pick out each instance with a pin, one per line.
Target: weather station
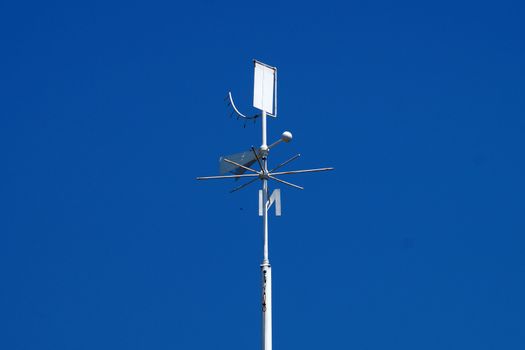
(241, 165)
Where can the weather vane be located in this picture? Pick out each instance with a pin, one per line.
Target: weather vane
(239, 165)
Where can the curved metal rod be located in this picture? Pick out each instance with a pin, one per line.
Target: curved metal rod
(239, 165)
(236, 110)
(285, 182)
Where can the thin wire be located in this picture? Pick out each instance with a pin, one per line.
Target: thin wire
(257, 157)
(244, 185)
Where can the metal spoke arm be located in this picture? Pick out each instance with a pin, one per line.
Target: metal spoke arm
(244, 185)
(227, 176)
(301, 171)
(284, 163)
(239, 165)
(286, 182)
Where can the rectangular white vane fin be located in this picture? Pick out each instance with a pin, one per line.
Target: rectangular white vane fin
(264, 88)
(275, 197)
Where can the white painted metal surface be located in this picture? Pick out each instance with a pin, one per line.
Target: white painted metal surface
(264, 88)
(275, 197)
(264, 146)
(266, 269)
(266, 306)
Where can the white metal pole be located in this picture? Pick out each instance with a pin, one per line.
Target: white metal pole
(264, 146)
(265, 266)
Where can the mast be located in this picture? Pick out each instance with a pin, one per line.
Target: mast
(266, 270)
(239, 166)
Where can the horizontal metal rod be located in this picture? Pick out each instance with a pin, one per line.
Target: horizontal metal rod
(284, 163)
(226, 176)
(301, 171)
(275, 144)
(286, 182)
(244, 185)
(239, 165)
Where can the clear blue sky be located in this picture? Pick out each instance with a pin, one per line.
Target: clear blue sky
(109, 110)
